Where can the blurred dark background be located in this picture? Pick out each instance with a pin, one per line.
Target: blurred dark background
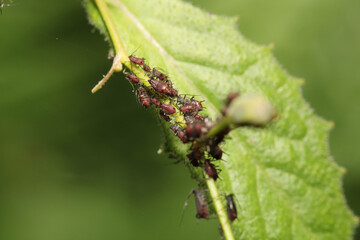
(79, 166)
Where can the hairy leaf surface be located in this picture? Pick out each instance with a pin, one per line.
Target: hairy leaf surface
(283, 177)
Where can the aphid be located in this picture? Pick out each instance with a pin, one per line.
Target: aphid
(138, 61)
(163, 88)
(230, 207)
(210, 169)
(164, 116)
(198, 117)
(194, 130)
(219, 138)
(215, 151)
(146, 68)
(195, 157)
(143, 97)
(179, 133)
(187, 108)
(173, 92)
(159, 75)
(167, 108)
(198, 106)
(132, 78)
(202, 207)
(156, 102)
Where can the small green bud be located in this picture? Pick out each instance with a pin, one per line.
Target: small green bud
(251, 110)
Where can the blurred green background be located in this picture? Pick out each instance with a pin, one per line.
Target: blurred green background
(79, 166)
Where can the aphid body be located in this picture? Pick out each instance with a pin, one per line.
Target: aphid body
(210, 169)
(202, 207)
(159, 75)
(230, 207)
(138, 61)
(146, 68)
(132, 78)
(195, 156)
(194, 129)
(187, 108)
(143, 97)
(163, 88)
(198, 106)
(156, 102)
(179, 133)
(216, 152)
(167, 108)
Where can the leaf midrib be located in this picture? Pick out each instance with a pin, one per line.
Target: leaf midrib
(147, 35)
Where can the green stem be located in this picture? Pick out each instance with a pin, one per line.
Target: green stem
(223, 218)
(114, 35)
(219, 127)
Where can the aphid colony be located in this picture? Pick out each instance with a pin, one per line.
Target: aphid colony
(204, 150)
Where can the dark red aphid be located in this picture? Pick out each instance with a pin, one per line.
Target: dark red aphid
(195, 156)
(143, 97)
(220, 137)
(132, 78)
(202, 207)
(159, 75)
(216, 152)
(164, 116)
(163, 88)
(146, 68)
(230, 207)
(167, 108)
(138, 61)
(210, 169)
(179, 133)
(156, 102)
(194, 130)
(198, 117)
(198, 106)
(187, 108)
(173, 92)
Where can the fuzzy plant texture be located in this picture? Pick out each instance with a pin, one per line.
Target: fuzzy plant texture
(282, 175)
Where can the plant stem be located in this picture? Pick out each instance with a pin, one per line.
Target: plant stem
(223, 219)
(114, 35)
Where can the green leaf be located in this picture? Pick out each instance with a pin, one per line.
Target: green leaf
(283, 177)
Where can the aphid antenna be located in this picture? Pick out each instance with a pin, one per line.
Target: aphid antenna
(132, 54)
(185, 205)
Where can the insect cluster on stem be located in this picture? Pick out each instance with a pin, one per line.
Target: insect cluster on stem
(160, 93)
